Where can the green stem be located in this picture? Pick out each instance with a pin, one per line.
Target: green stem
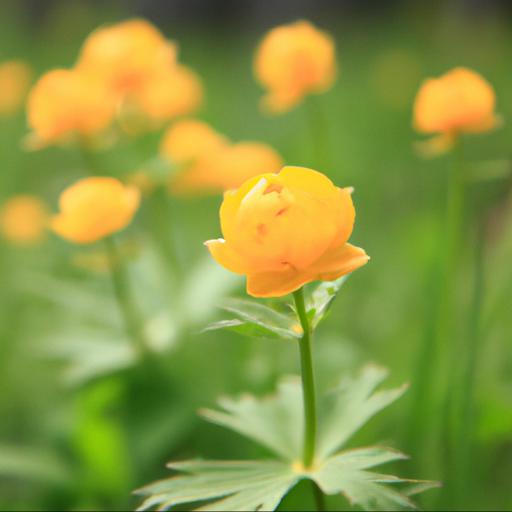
(447, 332)
(319, 133)
(121, 286)
(308, 383)
(465, 430)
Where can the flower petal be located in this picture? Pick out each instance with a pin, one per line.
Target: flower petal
(276, 284)
(306, 179)
(339, 261)
(224, 254)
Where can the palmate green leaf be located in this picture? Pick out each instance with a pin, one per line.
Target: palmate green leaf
(351, 405)
(346, 473)
(321, 299)
(244, 485)
(261, 485)
(276, 422)
(255, 319)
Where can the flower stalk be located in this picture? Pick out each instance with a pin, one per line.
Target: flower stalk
(121, 286)
(308, 394)
(308, 383)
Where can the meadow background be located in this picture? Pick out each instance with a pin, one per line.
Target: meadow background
(82, 424)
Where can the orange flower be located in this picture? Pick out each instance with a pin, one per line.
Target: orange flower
(65, 103)
(94, 208)
(24, 219)
(228, 168)
(171, 93)
(186, 141)
(287, 229)
(292, 61)
(15, 76)
(460, 101)
(126, 54)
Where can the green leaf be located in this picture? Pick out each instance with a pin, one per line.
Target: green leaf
(248, 329)
(275, 422)
(244, 485)
(321, 299)
(31, 463)
(257, 319)
(351, 405)
(346, 473)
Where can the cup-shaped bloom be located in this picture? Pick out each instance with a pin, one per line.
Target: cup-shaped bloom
(186, 141)
(459, 101)
(287, 229)
(94, 208)
(292, 61)
(66, 103)
(126, 54)
(15, 76)
(227, 168)
(172, 92)
(24, 220)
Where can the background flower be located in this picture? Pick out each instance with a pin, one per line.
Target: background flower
(15, 77)
(292, 61)
(94, 208)
(24, 220)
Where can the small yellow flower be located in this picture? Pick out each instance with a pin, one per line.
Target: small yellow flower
(186, 141)
(287, 229)
(228, 168)
(24, 220)
(94, 208)
(66, 103)
(292, 61)
(170, 93)
(460, 101)
(126, 54)
(15, 76)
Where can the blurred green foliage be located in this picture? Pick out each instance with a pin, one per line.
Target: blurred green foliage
(82, 425)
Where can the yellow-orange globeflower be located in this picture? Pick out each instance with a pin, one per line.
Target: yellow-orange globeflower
(15, 76)
(460, 101)
(186, 141)
(292, 61)
(126, 54)
(173, 92)
(24, 220)
(94, 208)
(287, 229)
(228, 168)
(66, 103)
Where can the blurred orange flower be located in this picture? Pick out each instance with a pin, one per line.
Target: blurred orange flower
(24, 220)
(15, 76)
(94, 208)
(126, 54)
(65, 103)
(139, 66)
(186, 141)
(228, 168)
(292, 61)
(460, 101)
(171, 93)
(287, 229)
